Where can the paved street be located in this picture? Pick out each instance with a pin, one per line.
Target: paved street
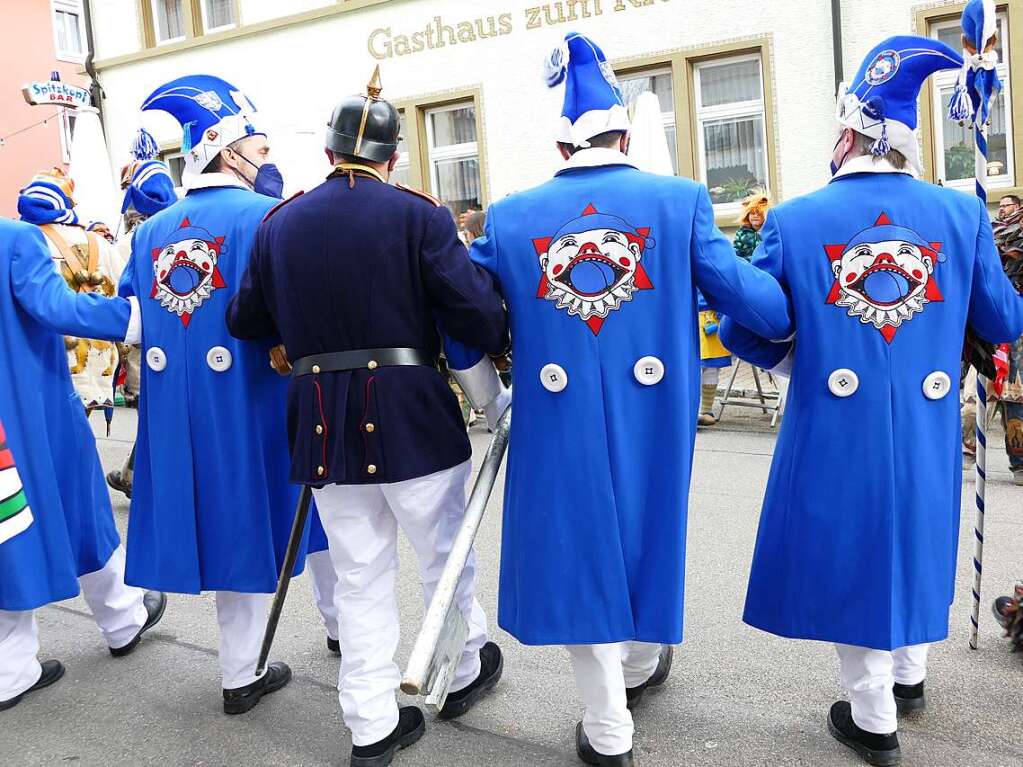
(736, 696)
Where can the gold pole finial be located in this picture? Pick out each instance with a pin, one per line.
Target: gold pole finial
(375, 87)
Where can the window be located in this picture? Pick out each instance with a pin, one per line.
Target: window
(175, 166)
(453, 156)
(400, 174)
(168, 20)
(68, 30)
(218, 14)
(657, 82)
(731, 128)
(954, 144)
(67, 132)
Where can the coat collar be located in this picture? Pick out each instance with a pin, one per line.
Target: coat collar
(866, 163)
(596, 157)
(212, 181)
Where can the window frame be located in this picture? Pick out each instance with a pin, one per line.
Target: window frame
(682, 63)
(669, 119)
(208, 30)
(436, 155)
(927, 19)
(193, 22)
(947, 79)
(73, 7)
(417, 136)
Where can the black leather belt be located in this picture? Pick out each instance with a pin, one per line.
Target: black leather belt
(362, 359)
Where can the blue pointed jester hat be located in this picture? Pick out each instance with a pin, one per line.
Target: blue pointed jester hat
(213, 115)
(978, 83)
(150, 189)
(882, 101)
(593, 100)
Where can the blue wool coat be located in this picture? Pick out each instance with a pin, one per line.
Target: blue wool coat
(73, 533)
(211, 505)
(859, 529)
(600, 268)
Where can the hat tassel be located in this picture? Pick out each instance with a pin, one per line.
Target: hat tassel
(882, 146)
(186, 138)
(960, 108)
(144, 147)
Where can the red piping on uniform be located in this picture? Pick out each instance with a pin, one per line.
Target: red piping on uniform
(323, 422)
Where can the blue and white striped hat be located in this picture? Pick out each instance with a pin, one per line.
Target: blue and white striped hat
(150, 189)
(48, 199)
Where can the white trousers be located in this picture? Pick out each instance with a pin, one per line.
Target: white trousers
(361, 522)
(242, 622)
(117, 609)
(602, 673)
(868, 676)
(324, 581)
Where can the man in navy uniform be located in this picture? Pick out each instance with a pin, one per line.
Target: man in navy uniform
(354, 277)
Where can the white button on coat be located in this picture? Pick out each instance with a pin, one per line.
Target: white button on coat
(648, 371)
(219, 359)
(156, 359)
(937, 385)
(553, 378)
(843, 382)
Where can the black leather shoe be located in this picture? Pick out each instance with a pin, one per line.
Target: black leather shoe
(116, 480)
(52, 671)
(491, 668)
(633, 695)
(334, 646)
(243, 699)
(411, 726)
(879, 750)
(156, 603)
(588, 755)
(910, 698)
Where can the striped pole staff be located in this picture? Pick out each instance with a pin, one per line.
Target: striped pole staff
(971, 102)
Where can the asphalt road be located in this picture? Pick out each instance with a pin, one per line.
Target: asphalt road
(736, 696)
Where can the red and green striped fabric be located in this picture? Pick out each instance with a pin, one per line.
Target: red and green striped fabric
(15, 515)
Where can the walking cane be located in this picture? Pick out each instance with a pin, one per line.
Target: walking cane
(961, 109)
(441, 641)
(290, 557)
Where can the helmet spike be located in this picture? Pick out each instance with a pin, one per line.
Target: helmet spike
(375, 87)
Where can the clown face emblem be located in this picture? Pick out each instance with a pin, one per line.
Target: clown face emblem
(185, 271)
(884, 276)
(593, 265)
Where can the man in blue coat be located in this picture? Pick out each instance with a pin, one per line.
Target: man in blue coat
(57, 533)
(859, 529)
(211, 504)
(354, 276)
(600, 268)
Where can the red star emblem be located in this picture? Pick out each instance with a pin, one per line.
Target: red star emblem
(887, 328)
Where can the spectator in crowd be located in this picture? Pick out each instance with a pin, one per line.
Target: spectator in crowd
(754, 213)
(1008, 235)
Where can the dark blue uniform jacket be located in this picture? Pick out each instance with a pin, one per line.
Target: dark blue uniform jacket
(372, 266)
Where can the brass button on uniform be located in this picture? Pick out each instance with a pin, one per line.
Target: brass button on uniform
(372, 469)
(372, 365)
(320, 471)
(371, 428)
(319, 429)
(316, 369)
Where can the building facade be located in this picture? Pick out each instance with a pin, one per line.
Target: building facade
(39, 37)
(747, 90)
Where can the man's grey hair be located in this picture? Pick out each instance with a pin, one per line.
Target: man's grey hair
(865, 146)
